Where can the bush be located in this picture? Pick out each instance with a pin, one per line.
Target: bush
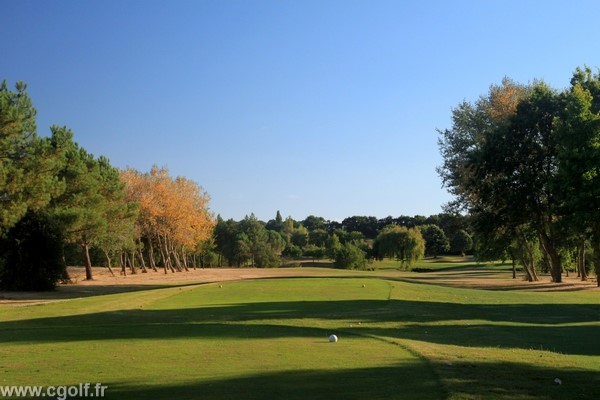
(350, 257)
(31, 255)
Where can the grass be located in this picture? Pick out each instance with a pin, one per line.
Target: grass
(436, 264)
(268, 339)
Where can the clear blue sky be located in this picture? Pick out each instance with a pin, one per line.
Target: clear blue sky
(319, 107)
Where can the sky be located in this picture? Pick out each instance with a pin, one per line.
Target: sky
(326, 108)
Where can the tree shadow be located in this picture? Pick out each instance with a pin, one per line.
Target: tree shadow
(403, 381)
(67, 292)
(565, 328)
(496, 380)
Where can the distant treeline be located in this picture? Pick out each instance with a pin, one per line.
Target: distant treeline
(351, 243)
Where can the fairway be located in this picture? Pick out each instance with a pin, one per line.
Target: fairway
(268, 338)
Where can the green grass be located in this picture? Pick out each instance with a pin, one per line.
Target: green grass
(436, 264)
(268, 339)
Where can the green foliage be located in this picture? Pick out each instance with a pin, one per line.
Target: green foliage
(436, 242)
(225, 235)
(92, 209)
(313, 223)
(350, 256)
(248, 241)
(299, 236)
(526, 157)
(367, 226)
(30, 255)
(333, 246)
(318, 237)
(315, 252)
(405, 244)
(292, 251)
(28, 164)
(461, 242)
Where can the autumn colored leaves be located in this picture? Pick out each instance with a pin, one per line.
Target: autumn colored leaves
(173, 219)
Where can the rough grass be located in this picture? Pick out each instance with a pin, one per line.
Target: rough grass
(268, 339)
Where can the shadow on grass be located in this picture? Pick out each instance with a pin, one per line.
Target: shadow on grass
(564, 328)
(405, 381)
(67, 292)
(496, 380)
(510, 380)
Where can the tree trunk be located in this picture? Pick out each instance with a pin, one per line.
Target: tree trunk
(514, 267)
(173, 256)
(527, 256)
(151, 255)
(554, 257)
(596, 249)
(173, 252)
(140, 256)
(88, 263)
(184, 259)
(131, 260)
(166, 254)
(123, 264)
(581, 260)
(108, 262)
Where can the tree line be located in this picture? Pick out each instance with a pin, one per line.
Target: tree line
(350, 243)
(524, 162)
(61, 205)
(55, 196)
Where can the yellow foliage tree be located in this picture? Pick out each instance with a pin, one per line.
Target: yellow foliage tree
(174, 215)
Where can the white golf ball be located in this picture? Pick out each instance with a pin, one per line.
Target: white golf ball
(333, 338)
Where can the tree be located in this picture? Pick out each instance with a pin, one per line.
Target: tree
(368, 226)
(275, 224)
(287, 229)
(333, 246)
(405, 244)
(225, 235)
(578, 136)
(83, 207)
(501, 152)
(313, 223)
(121, 233)
(174, 214)
(350, 257)
(318, 237)
(462, 144)
(28, 164)
(315, 252)
(299, 237)
(256, 235)
(461, 242)
(436, 241)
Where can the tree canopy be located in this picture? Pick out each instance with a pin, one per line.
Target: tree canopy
(523, 159)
